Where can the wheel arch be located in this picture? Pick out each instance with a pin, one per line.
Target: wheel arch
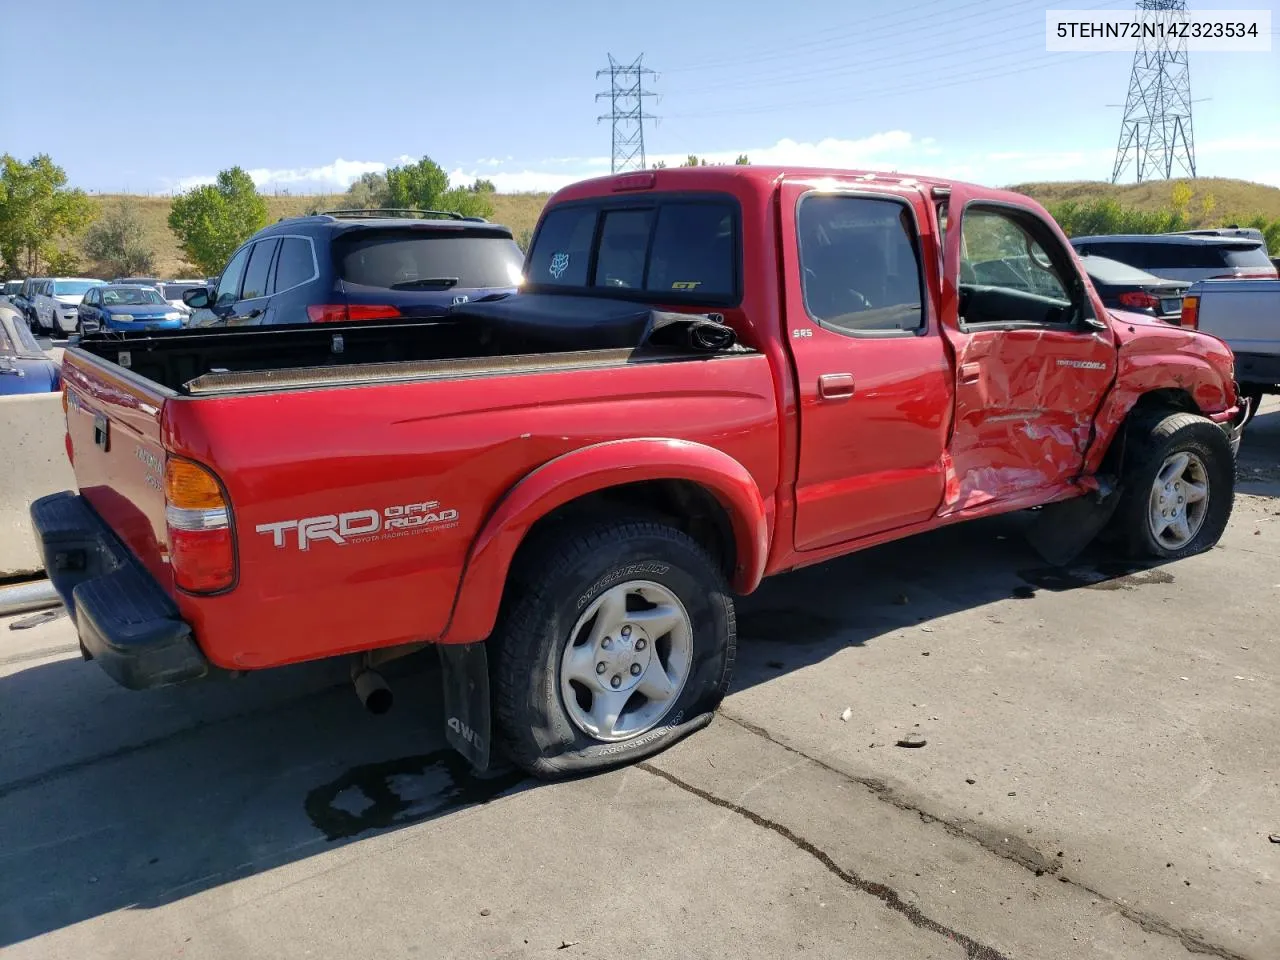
(698, 489)
(1124, 408)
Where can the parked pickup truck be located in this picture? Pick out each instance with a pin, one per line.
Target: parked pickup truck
(710, 376)
(1245, 314)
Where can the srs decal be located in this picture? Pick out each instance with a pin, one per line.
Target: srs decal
(361, 526)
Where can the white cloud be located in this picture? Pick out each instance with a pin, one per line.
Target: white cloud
(329, 177)
(1251, 156)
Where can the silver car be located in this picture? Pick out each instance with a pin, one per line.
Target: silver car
(1184, 256)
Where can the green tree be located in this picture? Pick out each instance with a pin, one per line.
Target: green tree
(211, 221)
(369, 192)
(660, 165)
(117, 242)
(693, 161)
(483, 186)
(742, 161)
(39, 214)
(425, 186)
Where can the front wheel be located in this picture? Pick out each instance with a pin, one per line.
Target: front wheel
(618, 639)
(1179, 487)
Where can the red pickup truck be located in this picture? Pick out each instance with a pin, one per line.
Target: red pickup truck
(710, 376)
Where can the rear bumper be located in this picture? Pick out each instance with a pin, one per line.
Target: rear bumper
(1260, 368)
(125, 620)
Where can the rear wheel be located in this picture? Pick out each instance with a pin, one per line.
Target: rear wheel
(1179, 487)
(619, 639)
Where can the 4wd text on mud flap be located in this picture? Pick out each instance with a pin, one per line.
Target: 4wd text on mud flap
(362, 525)
(467, 733)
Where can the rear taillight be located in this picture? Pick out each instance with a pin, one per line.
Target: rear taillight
(1190, 313)
(341, 312)
(201, 548)
(1137, 300)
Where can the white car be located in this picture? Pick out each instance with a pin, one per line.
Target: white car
(172, 291)
(57, 302)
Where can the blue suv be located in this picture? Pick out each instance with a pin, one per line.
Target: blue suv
(360, 265)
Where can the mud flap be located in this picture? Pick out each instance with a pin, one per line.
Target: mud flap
(1065, 528)
(465, 668)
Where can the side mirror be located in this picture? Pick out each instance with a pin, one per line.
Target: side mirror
(196, 299)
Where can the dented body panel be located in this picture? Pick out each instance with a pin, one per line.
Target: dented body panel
(378, 514)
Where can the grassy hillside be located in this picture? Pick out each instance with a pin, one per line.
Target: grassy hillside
(519, 211)
(1212, 201)
(1238, 198)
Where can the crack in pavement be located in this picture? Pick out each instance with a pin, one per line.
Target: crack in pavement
(882, 892)
(1030, 859)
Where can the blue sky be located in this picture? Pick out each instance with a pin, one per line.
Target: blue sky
(155, 95)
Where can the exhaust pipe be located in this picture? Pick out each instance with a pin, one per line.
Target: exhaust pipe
(21, 597)
(372, 689)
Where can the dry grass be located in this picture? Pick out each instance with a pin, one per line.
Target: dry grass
(1231, 198)
(519, 211)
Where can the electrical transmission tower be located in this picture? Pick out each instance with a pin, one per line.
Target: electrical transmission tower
(1156, 134)
(626, 95)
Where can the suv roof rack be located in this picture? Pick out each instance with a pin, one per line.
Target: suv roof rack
(398, 212)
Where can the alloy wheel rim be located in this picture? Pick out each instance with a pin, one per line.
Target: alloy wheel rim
(1179, 500)
(626, 661)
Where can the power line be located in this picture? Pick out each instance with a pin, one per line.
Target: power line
(890, 61)
(1017, 67)
(626, 96)
(1156, 131)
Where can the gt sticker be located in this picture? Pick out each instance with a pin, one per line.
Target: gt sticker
(361, 526)
(559, 264)
(686, 285)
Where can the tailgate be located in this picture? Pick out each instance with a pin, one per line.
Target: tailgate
(113, 437)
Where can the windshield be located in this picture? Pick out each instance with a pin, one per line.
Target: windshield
(16, 339)
(73, 288)
(12, 287)
(414, 260)
(116, 296)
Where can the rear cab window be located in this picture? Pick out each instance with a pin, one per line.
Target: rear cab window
(669, 249)
(425, 259)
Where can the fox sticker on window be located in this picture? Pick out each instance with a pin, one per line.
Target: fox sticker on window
(686, 285)
(559, 264)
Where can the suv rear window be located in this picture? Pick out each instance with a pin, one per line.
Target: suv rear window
(419, 260)
(678, 249)
(1179, 256)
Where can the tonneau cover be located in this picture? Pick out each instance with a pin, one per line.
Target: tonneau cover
(550, 323)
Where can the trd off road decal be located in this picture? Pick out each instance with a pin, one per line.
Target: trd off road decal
(361, 526)
(559, 264)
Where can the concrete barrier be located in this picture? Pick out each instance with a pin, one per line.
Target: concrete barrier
(33, 462)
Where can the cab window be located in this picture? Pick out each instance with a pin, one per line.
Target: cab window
(657, 249)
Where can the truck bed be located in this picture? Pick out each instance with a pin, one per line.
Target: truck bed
(533, 332)
(424, 419)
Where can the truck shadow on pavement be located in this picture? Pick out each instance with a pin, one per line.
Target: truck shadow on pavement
(111, 799)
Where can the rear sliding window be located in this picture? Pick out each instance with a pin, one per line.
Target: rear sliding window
(418, 260)
(675, 249)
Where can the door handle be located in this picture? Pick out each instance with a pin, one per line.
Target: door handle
(835, 386)
(253, 314)
(970, 372)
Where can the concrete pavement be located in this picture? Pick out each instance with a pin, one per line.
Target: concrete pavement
(1099, 780)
